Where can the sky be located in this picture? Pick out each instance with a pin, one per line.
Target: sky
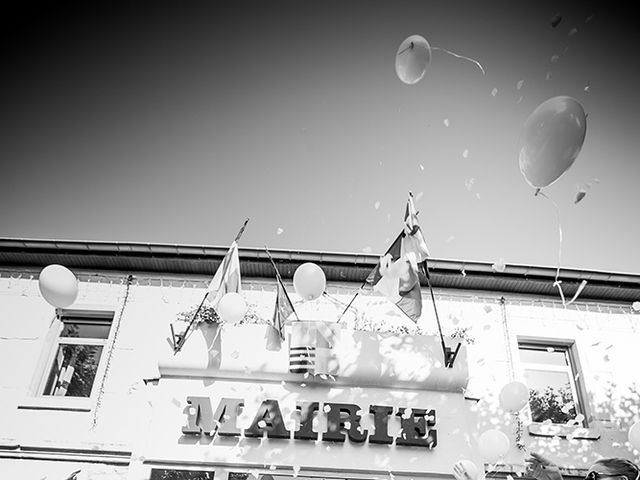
(173, 122)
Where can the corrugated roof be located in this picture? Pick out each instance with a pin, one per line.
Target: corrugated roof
(344, 267)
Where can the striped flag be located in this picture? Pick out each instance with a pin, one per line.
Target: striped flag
(396, 275)
(227, 276)
(281, 312)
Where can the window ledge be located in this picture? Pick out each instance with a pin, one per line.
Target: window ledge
(563, 431)
(70, 404)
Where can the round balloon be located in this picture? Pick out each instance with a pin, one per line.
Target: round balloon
(551, 140)
(493, 445)
(514, 396)
(232, 307)
(58, 285)
(309, 281)
(634, 435)
(412, 59)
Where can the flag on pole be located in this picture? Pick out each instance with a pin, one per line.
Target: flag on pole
(396, 275)
(227, 276)
(414, 247)
(282, 310)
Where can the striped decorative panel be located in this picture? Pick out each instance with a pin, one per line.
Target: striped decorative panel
(302, 359)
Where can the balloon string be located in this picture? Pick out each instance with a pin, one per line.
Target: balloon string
(557, 282)
(460, 56)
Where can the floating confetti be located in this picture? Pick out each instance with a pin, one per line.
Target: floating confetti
(446, 122)
(234, 354)
(635, 306)
(579, 196)
(550, 349)
(478, 196)
(262, 424)
(488, 309)
(519, 100)
(555, 58)
(376, 205)
(326, 408)
(587, 87)
(463, 273)
(588, 18)
(367, 249)
(573, 31)
(465, 153)
(296, 470)
(421, 167)
(419, 196)
(519, 84)
(469, 182)
(555, 21)
(279, 231)
(494, 92)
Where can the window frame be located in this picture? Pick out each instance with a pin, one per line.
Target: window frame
(37, 400)
(574, 369)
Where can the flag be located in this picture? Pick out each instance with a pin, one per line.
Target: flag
(396, 278)
(281, 312)
(227, 277)
(414, 247)
(396, 275)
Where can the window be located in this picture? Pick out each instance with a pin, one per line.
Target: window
(76, 354)
(171, 474)
(550, 372)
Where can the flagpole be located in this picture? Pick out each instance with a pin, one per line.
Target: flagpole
(365, 280)
(279, 279)
(449, 356)
(183, 337)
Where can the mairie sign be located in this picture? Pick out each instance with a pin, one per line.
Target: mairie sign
(343, 421)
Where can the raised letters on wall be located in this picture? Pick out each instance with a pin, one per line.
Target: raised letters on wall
(343, 421)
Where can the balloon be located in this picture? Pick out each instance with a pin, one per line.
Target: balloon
(465, 470)
(551, 140)
(58, 285)
(412, 59)
(493, 445)
(634, 435)
(514, 396)
(309, 281)
(232, 307)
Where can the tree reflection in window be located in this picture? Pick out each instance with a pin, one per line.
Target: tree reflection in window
(74, 371)
(79, 347)
(555, 404)
(167, 474)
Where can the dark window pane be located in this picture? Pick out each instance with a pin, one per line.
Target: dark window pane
(548, 357)
(85, 329)
(165, 474)
(73, 371)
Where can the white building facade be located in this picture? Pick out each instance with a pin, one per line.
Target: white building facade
(96, 389)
